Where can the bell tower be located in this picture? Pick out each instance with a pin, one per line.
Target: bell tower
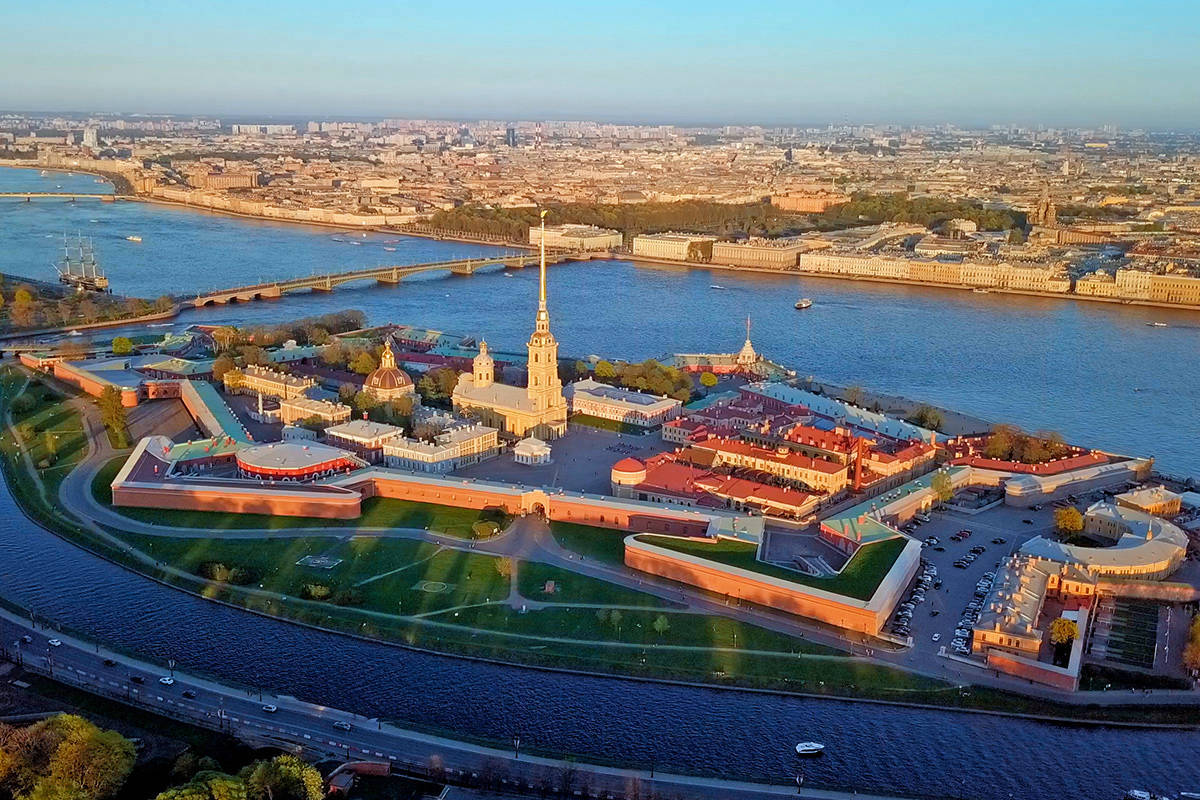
(545, 388)
(484, 368)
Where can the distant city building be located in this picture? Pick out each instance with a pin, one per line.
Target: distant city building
(674, 246)
(805, 203)
(454, 448)
(578, 237)
(760, 253)
(363, 437)
(255, 379)
(299, 409)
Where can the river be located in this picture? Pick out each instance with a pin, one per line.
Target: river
(1042, 363)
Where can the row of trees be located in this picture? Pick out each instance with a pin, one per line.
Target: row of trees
(865, 208)
(305, 331)
(63, 758)
(1010, 443)
(927, 417)
(631, 219)
(284, 777)
(1191, 650)
(647, 376)
(28, 307)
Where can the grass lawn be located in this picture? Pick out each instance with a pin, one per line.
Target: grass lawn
(859, 579)
(633, 627)
(390, 575)
(613, 425)
(377, 512)
(602, 544)
(52, 430)
(571, 587)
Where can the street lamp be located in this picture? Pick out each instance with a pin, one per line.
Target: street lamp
(516, 746)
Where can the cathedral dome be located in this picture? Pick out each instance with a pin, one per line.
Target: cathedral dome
(389, 380)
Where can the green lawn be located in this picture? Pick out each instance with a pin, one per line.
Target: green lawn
(601, 544)
(571, 587)
(390, 575)
(377, 512)
(859, 579)
(52, 431)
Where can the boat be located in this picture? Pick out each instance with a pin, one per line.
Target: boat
(73, 333)
(160, 324)
(1157, 324)
(133, 239)
(981, 291)
(803, 303)
(715, 286)
(1142, 794)
(809, 748)
(78, 266)
(508, 274)
(390, 249)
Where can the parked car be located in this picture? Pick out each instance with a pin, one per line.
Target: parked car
(54, 643)
(189, 694)
(270, 709)
(166, 680)
(342, 726)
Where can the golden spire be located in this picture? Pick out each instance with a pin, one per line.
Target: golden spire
(542, 287)
(388, 359)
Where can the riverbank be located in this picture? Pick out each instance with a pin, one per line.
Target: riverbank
(666, 262)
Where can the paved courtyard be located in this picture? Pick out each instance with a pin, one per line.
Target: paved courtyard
(581, 460)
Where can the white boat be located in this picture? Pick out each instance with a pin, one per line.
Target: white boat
(715, 286)
(982, 291)
(803, 303)
(809, 749)
(73, 333)
(390, 249)
(133, 238)
(1157, 324)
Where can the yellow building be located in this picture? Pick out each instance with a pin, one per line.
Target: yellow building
(539, 409)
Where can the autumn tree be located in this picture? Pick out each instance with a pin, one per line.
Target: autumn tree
(363, 363)
(708, 379)
(1068, 521)
(64, 758)
(605, 371)
(122, 346)
(1063, 630)
(221, 365)
(284, 777)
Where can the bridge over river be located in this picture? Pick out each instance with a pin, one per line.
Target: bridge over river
(386, 275)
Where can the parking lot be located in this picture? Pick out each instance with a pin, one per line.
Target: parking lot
(949, 589)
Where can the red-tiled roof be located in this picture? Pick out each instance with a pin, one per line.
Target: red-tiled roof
(628, 464)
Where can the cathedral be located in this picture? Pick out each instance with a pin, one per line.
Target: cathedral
(538, 409)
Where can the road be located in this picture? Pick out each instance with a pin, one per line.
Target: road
(309, 729)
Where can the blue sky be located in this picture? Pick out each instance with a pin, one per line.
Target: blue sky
(1056, 62)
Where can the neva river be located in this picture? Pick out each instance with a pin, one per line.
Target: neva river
(1094, 372)
(1041, 363)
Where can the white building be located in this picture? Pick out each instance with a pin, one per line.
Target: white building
(531, 451)
(450, 450)
(622, 405)
(674, 246)
(578, 237)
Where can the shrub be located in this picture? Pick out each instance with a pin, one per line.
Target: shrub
(316, 591)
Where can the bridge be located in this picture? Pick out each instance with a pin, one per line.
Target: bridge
(27, 196)
(388, 276)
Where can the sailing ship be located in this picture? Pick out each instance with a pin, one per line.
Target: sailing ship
(78, 266)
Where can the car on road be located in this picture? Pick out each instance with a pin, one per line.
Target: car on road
(940, 549)
(1027, 521)
(138, 679)
(27, 638)
(937, 637)
(166, 680)
(108, 662)
(189, 694)
(54, 643)
(270, 709)
(342, 725)
(999, 540)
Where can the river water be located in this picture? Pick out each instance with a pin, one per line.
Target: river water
(1042, 363)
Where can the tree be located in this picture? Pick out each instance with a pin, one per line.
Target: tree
(1191, 655)
(708, 379)
(1068, 520)
(23, 312)
(363, 363)
(927, 417)
(614, 619)
(253, 354)
(1002, 442)
(284, 777)
(93, 761)
(112, 414)
(364, 401)
(661, 625)
(581, 369)
(73, 350)
(504, 567)
(605, 371)
(225, 336)
(346, 392)
(221, 365)
(122, 346)
(64, 758)
(1063, 630)
(942, 486)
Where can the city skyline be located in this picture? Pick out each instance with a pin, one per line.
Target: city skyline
(1067, 65)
